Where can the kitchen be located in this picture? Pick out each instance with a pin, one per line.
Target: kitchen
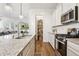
(20, 31)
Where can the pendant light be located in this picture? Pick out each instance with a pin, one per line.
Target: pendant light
(21, 16)
(8, 6)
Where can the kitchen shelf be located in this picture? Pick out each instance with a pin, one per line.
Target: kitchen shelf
(65, 24)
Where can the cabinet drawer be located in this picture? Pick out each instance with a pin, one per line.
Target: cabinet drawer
(73, 46)
(71, 52)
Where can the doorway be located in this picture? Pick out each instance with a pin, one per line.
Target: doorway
(40, 30)
(41, 48)
(39, 35)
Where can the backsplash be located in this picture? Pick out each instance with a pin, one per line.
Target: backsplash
(64, 29)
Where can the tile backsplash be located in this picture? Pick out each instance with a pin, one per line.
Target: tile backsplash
(64, 29)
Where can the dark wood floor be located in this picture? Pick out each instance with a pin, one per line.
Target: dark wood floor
(44, 49)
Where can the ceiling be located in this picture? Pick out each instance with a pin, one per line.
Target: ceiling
(15, 8)
(42, 5)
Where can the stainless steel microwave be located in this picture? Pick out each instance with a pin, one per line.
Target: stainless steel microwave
(70, 16)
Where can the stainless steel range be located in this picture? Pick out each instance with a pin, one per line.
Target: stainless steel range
(61, 44)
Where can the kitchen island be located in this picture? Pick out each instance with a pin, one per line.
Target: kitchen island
(16, 47)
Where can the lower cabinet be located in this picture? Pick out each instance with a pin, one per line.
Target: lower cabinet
(71, 52)
(72, 49)
(29, 49)
(52, 40)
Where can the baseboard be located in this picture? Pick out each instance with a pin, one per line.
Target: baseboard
(51, 46)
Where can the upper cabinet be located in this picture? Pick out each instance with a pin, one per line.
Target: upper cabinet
(67, 6)
(56, 17)
(53, 22)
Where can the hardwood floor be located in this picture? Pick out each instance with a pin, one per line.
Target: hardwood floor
(44, 49)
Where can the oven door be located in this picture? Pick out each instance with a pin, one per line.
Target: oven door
(61, 47)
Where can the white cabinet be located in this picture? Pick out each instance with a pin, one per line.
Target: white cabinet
(53, 22)
(52, 40)
(72, 49)
(71, 52)
(58, 15)
(67, 6)
(29, 49)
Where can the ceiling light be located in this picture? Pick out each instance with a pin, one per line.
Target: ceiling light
(21, 16)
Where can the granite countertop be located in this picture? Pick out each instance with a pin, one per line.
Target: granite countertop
(12, 47)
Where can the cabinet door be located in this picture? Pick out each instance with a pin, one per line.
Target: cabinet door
(52, 38)
(70, 52)
(25, 51)
(58, 15)
(53, 21)
(29, 48)
(31, 51)
(72, 49)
